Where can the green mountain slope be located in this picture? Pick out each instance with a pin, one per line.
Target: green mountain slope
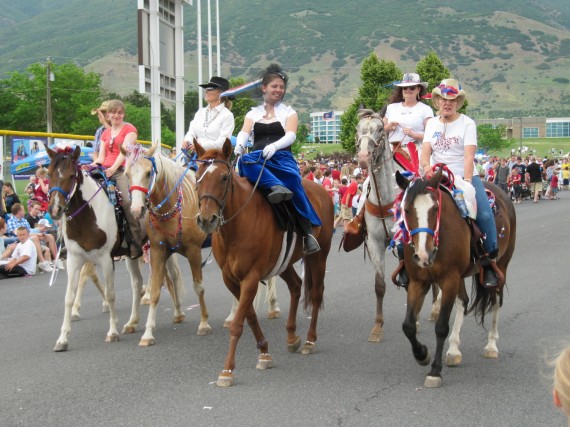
(512, 58)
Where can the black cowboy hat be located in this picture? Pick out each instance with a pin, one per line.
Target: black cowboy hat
(217, 83)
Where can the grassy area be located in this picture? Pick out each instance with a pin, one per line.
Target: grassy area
(542, 146)
(314, 151)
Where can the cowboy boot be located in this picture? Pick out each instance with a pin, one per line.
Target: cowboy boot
(310, 243)
(279, 194)
(403, 279)
(490, 275)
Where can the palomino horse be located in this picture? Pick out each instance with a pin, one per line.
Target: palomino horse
(249, 246)
(440, 250)
(373, 148)
(169, 193)
(91, 235)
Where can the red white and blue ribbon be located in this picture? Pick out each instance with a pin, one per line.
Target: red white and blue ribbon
(241, 88)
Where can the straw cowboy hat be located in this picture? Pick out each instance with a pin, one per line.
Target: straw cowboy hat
(104, 107)
(448, 89)
(413, 79)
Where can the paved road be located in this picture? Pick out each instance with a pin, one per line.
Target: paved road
(348, 382)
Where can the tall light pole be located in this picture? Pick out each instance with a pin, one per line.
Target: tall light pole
(520, 136)
(49, 78)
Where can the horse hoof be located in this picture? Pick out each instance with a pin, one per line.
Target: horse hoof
(204, 330)
(490, 354)
(274, 314)
(146, 342)
(432, 382)
(452, 360)
(225, 380)
(265, 362)
(75, 317)
(112, 338)
(129, 329)
(179, 319)
(227, 323)
(309, 348)
(294, 346)
(425, 361)
(60, 347)
(376, 336)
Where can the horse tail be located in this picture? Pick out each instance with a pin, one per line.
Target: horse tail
(482, 300)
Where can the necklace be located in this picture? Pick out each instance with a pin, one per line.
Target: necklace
(209, 119)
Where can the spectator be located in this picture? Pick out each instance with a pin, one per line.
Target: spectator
(3, 229)
(554, 187)
(534, 171)
(346, 203)
(502, 175)
(565, 177)
(33, 215)
(105, 124)
(514, 184)
(341, 192)
(42, 188)
(21, 257)
(10, 198)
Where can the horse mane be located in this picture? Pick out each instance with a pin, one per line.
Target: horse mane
(171, 172)
(416, 187)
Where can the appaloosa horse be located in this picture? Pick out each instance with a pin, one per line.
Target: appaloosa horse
(440, 250)
(373, 148)
(249, 246)
(91, 234)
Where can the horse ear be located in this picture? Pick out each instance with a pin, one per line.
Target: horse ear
(76, 153)
(402, 181)
(51, 153)
(227, 148)
(198, 148)
(154, 146)
(436, 178)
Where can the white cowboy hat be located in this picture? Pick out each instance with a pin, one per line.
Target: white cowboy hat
(411, 79)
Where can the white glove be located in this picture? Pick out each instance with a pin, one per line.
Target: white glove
(269, 151)
(241, 140)
(239, 150)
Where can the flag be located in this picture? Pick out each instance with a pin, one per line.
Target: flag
(241, 88)
(328, 116)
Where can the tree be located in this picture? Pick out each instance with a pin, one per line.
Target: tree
(491, 138)
(377, 76)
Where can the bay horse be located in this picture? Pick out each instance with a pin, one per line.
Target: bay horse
(165, 189)
(440, 250)
(249, 246)
(373, 148)
(91, 235)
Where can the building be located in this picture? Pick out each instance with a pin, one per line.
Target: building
(532, 127)
(325, 127)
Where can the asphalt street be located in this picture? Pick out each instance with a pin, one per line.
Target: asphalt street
(347, 382)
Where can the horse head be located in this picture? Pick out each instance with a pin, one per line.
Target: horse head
(421, 211)
(140, 170)
(370, 137)
(64, 178)
(213, 184)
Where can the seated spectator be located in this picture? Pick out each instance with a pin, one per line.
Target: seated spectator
(10, 197)
(19, 259)
(3, 229)
(42, 188)
(33, 215)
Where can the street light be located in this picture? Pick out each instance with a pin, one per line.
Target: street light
(521, 135)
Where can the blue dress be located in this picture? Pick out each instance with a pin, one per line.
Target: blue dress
(281, 169)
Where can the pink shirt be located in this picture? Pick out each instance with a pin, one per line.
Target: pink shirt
(112, 151)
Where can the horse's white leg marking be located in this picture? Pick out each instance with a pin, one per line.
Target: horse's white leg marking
(232, 314)
(436, 306)
(204, 327)
(73, 265)
(422, 206)
(491, 350)
(83, 276)
(453, 357)
(133, 266)
(109, 277)
(273, 310)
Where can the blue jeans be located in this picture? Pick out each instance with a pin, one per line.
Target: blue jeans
(485, 218)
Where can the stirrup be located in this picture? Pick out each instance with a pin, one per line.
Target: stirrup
(399, 276)
(310, 244)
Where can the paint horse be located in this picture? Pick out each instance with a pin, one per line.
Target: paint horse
(249, 246)
(167, 191)
(440, 250)
(373, 148)
(91, 235)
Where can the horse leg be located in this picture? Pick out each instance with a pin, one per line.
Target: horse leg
(491, 351)
(246, 293)
(232, 314)
(435, 303)
(453, 356)
(109, 277)
(194, 255)
(314, 289)
(83, 276)
(133, 266)
(158, 271)
(293, 281)
(62, 342)
(433, 379)
(377, 332)
(175, 288)
(415, 301)
(273, 311)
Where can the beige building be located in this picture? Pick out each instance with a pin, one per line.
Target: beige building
(532, 127)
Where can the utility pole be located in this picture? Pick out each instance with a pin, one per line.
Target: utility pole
(49, 79)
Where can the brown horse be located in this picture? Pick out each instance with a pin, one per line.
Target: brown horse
(440, 250)
(249, 246)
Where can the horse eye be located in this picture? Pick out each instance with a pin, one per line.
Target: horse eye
(225, 178)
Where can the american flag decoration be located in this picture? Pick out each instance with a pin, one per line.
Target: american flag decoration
(328, 116)
(241, 88)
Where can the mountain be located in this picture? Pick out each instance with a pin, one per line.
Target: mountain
(512, 59)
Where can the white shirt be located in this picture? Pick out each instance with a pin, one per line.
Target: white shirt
(27, 248)
(448, 142)
(282, 113)
(411, 117)
(211, 127)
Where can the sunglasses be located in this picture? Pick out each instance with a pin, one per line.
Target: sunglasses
(210, 89)
(409, 88)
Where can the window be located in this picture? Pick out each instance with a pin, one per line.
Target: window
(557, 129)
(530, 133)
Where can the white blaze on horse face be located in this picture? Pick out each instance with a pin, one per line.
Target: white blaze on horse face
(210, 169)
(423, 203)
(138, 198)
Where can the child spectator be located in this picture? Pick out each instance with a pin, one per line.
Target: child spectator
(554, 187)
(20, 257)
(565, 178)
(514, 183)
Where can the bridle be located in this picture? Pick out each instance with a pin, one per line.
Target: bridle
(433, 232)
